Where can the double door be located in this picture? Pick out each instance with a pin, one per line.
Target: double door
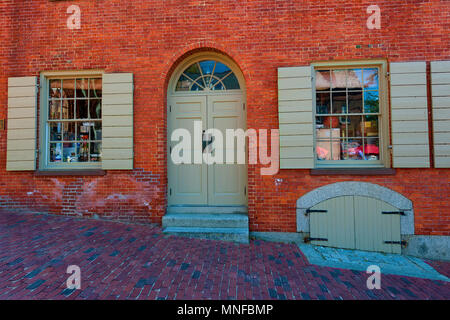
(206, 184)
(356, 222)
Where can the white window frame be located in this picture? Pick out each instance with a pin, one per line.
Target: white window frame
(384, 140)
(44, 163)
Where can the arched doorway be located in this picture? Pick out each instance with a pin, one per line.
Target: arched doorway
(206, 88)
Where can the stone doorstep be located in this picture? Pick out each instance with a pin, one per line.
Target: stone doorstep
(205, 220)
(215, 223)
(240, 235)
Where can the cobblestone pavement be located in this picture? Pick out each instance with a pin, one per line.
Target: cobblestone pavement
(128, 261)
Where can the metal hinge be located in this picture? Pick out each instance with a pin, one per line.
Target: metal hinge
(170, 191)
(402, 213)
(403, 242)
(308, 211)
(170, 108)
(245, 190)
(308, 239)
(243, 106)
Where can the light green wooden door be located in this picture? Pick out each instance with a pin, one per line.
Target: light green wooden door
(188, 183)
(227, 181)
(332, 223)
(202, 184)
(356, 222)
(377, 225)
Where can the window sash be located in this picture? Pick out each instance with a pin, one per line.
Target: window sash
(382, 135)
(45, 141)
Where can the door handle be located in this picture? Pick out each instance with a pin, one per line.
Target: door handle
(206, 141)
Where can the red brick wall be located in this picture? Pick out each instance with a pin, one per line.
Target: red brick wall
(148, 38)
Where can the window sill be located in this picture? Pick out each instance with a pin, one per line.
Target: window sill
(353, 171)
(82, 172)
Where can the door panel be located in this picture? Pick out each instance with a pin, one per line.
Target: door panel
(226, 182)
(187, 182)
(374, 228)
(336, 225)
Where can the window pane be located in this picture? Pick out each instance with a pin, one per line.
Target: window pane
(95, 88)
(55, 131)
(218, 86)
(372, 149)
(96, 130)
(82, 109)
(354, 79)
(323, 104)
(207, 66)
(371, 126)
(371, 78)
(323, 80)
(207, 81)
(193, 71)
(320, 122)
(68, 109)
(82, 131)
(55, 152)
(328, 149)
(343, 121)
(323, 149)
(221, 70)
(331, 122)
(69, 131)
(371, 102)
(70, 153)
(355, 102)
(231, 82)
(352, 149)
(83, 151)
(68, 88)
(54, 109)
(343, 146)
(96, 152)
(183, 84)
(354, 126)
(196, 87)
(339, 102)
(339, 79)
(54, 88)
(215, 82)
(95, 109)
(82, 88)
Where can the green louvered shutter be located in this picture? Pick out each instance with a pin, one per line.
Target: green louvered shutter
(295, 115)
(409, 115)
(21, 141)
(440, 89)
(117, 121)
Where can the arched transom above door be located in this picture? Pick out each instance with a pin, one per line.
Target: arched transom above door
(207, 75)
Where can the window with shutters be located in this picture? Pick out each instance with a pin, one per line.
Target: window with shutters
(71, 121)
(349, 120)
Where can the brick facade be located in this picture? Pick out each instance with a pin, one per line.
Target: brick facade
(149, 39)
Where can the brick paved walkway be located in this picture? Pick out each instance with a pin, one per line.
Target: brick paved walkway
(124, 261)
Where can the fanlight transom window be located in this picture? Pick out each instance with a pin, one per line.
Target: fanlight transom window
(207, 75)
